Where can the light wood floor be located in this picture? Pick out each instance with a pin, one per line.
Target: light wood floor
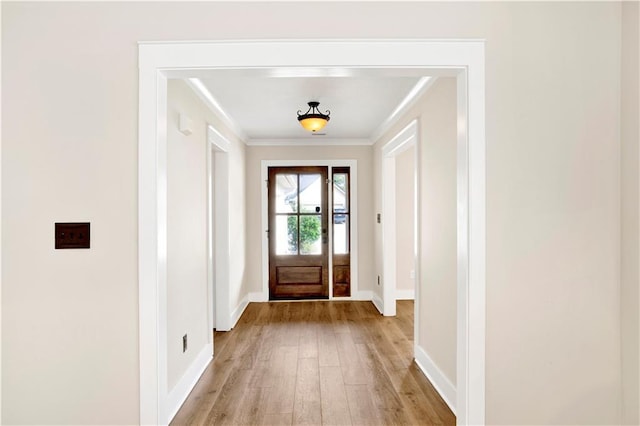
(313, 363)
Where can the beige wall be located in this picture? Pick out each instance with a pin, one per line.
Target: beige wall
(187, 257)
(438, 260)
(630, 134)
(436, 114)
(553, 217)
(255, 233)
(69, 120)
(405, 172)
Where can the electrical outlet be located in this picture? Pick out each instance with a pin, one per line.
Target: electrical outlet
(412, 274)
(184, 343)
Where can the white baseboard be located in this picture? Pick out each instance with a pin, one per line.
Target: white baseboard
(258, 296)
(185, 385)
(363, 295)
(237, 312)
(409, 294)
(377, 302)
(366, 295)
(437, 378)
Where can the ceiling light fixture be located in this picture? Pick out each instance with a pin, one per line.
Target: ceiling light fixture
(313, 120)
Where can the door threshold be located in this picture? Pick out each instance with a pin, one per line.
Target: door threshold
(310, 299)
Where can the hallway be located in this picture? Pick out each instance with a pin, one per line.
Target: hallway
(315, 363)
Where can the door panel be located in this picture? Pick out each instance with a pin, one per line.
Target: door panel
(298, 226)
(341, 213)
(299, 274)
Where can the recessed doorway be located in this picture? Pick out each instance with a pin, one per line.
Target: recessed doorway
(462, 59)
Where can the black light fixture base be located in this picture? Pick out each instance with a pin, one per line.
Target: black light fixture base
(313, 112)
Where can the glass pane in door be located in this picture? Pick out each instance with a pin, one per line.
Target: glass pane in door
(310, 234)
(286, 193)
(340, 192)
(286, 234)
(310, 193)
(340, 233)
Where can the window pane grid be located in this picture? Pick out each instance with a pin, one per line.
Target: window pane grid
(298, 214)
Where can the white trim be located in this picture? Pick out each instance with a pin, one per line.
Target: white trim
(257, 296)
(377, 302)
(216, 139)
(407, 294)
(152, 238)
(313, 141)
(207, 98)
(405, 139)
(437, 378)
(361, 296)
(403, 107)
(181, 390)
(211, 243)
(364, 295)
(461, 58)
(388, 222)
(471, 231)
(1, 228)
(239, 310)
(417, 235)
(218, 170)
(353, 206)
(354, 261)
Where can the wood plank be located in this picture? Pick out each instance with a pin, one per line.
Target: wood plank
(224, 410)
(385, 398)
(410, 395)
(267, 370)
(282, 374)
(327, 349)
(195, 409)
(432, 397)
(361, 405)
(338, 317)
(352, 368)
(309, 342)
(404, 317)
(335, 408)
(276, 420)
(253, 406)
(307, 408)
(378, 338)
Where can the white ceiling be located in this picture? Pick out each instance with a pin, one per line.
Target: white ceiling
(263, 104)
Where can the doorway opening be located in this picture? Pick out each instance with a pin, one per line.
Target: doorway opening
(391, 152)
(462, 59)
(284, 247)
(218, 225)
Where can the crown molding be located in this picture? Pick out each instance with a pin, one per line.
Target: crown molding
(205, 95)
(408, 101)
(315, 141)
(403, 107)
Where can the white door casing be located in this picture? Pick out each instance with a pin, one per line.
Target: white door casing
(404, 140)
(463, 59)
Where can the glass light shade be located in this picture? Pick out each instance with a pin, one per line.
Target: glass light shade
(313, 124)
